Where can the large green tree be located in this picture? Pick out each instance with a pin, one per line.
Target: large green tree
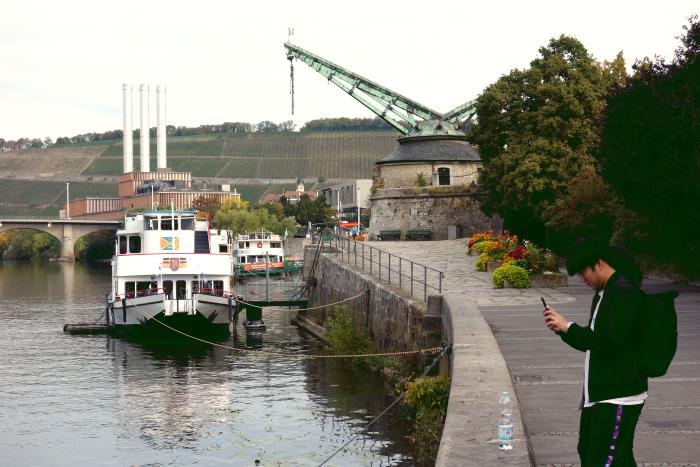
(539, 128)
(650, 153)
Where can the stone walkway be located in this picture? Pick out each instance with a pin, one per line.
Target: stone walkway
(547, 374)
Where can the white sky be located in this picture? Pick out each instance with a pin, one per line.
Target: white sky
(62, 63)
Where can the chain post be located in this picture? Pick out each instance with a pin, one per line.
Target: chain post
(363, 256)
(380, 264)
(389, 268)
(411, 277)
(370, 260)
(400, 260)
(440, 283)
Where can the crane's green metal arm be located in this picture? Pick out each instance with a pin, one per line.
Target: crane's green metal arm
(397, 110)
(464, 111)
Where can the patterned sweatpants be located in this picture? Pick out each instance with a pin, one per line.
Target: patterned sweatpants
(606, 435)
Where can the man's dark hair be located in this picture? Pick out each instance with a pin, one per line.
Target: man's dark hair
(585, 252)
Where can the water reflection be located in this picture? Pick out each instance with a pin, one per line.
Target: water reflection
(97, 400)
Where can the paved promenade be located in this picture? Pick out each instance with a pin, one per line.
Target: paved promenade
(547, 374)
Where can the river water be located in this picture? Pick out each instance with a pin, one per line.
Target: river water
(96, 400)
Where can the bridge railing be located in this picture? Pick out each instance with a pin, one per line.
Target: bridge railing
(415, 278)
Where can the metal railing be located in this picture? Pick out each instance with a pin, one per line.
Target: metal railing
(397, 271)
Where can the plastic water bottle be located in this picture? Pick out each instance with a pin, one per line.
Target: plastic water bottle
(505, 422)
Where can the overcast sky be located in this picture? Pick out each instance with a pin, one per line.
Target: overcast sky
(62, 63)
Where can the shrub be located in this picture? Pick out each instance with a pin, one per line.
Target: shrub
(514, 274)
(420, 180)
(426, 400)
(481, 262)
(344, 338)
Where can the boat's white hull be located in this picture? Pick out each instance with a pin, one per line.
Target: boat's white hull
(139, 310)
(218, 310)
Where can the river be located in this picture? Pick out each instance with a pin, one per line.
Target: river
(97, 400)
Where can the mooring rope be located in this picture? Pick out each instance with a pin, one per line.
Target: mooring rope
(445, 349)
(428, 351)
(320, 306)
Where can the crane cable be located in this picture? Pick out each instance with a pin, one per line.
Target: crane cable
(291, 78)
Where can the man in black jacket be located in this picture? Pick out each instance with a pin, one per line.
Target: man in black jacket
(614, 387)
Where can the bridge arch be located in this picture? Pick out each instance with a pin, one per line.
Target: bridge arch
(66, 231)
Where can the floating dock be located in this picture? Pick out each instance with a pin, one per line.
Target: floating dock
(85, 328)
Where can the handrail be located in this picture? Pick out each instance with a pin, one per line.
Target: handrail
(366, 257)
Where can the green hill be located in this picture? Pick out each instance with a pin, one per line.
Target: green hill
(235, 156)
(268, 155)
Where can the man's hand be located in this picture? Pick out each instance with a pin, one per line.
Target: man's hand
(554, 321)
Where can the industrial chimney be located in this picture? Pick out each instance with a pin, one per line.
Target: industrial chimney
(162, 152)
(128, 141)
(145, 144)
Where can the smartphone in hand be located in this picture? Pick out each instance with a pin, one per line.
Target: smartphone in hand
(544, 303)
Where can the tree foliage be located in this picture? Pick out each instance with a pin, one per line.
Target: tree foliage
(650, 152)
(239, 217)
(28, 244)
(539, 128)
(347, 124)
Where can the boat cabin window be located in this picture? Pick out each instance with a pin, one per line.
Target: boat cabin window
(169, 224)
(241, 244)
(223, 248)
(181, 290)
(242, 260)
(151, 223)
(218, 288)
(134, 244)
(168, 289)
(195, 287)
(187, 224)
(129, 289)
(275, 244)
(139, 289)
(122, 245)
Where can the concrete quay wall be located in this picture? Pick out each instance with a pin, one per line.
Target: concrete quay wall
(391, 316)
(479, 374)
(476, 366)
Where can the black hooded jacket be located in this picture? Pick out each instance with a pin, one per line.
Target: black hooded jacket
(613, 368)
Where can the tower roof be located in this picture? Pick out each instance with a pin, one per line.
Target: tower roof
(432, 150)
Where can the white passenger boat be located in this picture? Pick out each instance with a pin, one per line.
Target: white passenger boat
(171, 268)
(255, 253)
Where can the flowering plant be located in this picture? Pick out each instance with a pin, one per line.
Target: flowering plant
(480, 237)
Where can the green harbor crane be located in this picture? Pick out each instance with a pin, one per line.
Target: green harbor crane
(413, 120)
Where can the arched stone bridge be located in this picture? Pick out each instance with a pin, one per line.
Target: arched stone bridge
(66, 231)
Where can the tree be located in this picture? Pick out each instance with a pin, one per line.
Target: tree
(538, 128)
(48, 141)
(287, 126)
(311, 211)
(208, 205)
(266, 126)
(36, 143)
(650, 151)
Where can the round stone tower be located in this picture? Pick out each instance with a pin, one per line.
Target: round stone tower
(429, 183)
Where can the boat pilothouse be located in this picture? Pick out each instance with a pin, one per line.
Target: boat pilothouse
(257, 252)
(172, 266)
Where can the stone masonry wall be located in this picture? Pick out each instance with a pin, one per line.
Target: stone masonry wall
(404, 175)
(434, 212)
(391, 316)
